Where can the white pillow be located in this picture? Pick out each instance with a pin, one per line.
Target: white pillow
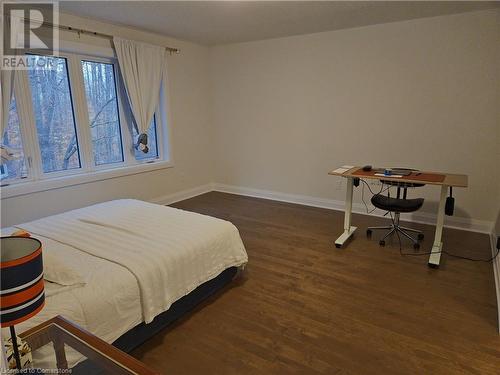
(62, 264)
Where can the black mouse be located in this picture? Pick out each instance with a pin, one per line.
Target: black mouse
(367, 168)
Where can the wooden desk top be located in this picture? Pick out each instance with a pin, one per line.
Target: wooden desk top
(422, 177)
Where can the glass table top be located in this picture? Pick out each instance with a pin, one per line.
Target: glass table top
(59, 347)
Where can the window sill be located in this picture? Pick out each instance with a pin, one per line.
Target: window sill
(28, 187)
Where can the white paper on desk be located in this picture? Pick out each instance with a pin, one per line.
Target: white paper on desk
(392, 175)
(342, 169)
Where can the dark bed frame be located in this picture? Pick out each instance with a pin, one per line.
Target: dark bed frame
(142, 332)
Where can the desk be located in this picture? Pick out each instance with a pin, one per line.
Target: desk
(444, 180)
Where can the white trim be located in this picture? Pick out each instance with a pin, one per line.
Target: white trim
(80, 114)
(455, 222)
(496, 272)
(472, 225)
(183, 194)
(21, 188)
(79, 48)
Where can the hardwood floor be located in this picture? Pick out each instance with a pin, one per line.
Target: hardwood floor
(302, 306)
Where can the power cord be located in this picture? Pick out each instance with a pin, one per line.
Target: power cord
(363, 199)
(382, 190)
(472, 259)
(371, 191)
(441, 251)
(399, 237)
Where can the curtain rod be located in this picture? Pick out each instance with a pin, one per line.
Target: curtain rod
(94, 33)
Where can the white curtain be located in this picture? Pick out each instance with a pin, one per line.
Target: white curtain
(7, 78)
(142, 67)
(7, 84)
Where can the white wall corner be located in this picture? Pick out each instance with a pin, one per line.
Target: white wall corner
(183, 194)
(496, 272)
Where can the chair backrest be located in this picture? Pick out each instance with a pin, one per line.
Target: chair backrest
(403, 185)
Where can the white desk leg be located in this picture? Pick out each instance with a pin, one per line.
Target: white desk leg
(438, 244)
(348, 229)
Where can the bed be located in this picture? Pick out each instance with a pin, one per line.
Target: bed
(124, 269)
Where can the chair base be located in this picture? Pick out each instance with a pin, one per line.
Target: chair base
(396, 228)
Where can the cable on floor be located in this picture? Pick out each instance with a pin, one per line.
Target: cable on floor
(441, 251)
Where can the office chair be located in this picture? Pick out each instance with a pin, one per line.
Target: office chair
(398, 205)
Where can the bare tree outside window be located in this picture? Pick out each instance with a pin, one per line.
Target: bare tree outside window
(100, 90)
(53, 112)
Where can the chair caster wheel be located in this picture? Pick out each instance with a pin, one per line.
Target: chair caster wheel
(368, 233)
(420, 236)
(337, 246)
(416, 246)
(381, 243)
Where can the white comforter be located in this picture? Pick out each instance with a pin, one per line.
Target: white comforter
(169, 251)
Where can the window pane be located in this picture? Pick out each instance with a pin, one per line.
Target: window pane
(13, 165)
(152, 144)
(53, 111)
(100, 89)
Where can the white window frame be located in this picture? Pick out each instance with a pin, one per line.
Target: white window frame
(37, 180)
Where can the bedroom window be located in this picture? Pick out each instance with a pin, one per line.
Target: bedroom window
(70, 123)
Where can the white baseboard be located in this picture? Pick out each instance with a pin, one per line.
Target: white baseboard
(467, 224)
(183, 194)
(496, 272)
(455, 222)
(472, 225)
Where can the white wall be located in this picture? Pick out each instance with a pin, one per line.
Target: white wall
(191, 136)
(279, 114)
(421, 93)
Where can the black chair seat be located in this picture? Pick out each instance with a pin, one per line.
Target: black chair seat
(396, 205)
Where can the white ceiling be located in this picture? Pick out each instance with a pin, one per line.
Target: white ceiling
(221, 22)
